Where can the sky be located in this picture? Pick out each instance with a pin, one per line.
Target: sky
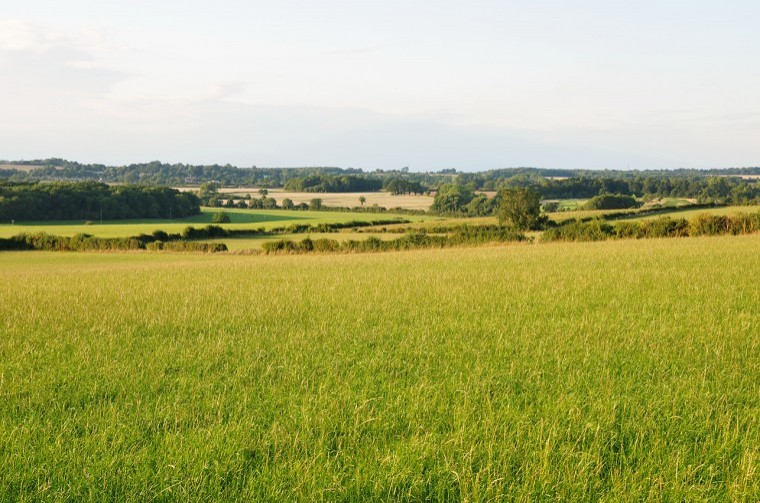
(429, 85)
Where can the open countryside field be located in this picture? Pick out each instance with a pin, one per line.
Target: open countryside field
(555, 372)
(691, 213)
(350, 199)
(669, 212)
(342, 199)
(240, 219)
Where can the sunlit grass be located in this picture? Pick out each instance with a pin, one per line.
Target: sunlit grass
(625, 370)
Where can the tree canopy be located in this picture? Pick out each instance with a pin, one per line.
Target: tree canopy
(520, 208)
(91, 201)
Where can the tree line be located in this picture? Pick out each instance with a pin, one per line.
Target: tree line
(332, 183)
(92, 201)
(550, 183)
(463, 199)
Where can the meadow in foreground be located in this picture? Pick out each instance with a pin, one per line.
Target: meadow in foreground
(624, 370)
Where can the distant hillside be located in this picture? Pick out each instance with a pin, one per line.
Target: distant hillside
(553, 183)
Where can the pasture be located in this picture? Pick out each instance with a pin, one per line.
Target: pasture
(240, 219)
(691, 213)
(624, 370)
(669, 211)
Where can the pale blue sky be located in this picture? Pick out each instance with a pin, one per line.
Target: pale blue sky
(429, 85)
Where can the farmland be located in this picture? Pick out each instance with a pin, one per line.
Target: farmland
(341, 199)
(240, 219)
(521, 372)
(249, 220)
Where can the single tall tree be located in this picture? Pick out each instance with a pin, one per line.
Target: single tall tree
(520, 207)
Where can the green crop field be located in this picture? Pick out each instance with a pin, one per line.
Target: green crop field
(691, 213)
(670, 211)
(612, 371)
(240, 219)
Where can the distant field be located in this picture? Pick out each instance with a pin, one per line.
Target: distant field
(342, 199)
(383, 199)
(688, 214)
(673, 212)
(241, 219)
(432, 222)
(267, 219)
(613, 371)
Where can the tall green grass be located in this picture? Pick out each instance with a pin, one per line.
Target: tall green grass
(626, 370)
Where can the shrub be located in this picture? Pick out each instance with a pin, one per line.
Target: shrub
(627, 230)
(611, 202)
(594, 230)
(664, 227)
(221, 217)
(187, 246)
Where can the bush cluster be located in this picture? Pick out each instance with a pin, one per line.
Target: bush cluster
(701, 225)
(186, 246)
(78, 242)
(409, 241)
(215, 231)
(611, 202)
(85, 242)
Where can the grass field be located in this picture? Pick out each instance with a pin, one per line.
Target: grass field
(240, 219)
(673, 212)
(625, 371)
(689, 214)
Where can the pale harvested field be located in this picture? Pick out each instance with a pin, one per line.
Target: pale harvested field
(383, 199)
(343, 199)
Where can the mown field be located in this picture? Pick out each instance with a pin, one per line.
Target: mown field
(240, 219)
(672, 212)
(626, 371)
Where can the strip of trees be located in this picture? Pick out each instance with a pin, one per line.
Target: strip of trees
(330, 183)
(517, 207)
(92, 201)
(725, 186)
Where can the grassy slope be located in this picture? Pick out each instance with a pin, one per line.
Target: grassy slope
(689, 214)
(241, 219)
(673, 213)
(560, 371)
